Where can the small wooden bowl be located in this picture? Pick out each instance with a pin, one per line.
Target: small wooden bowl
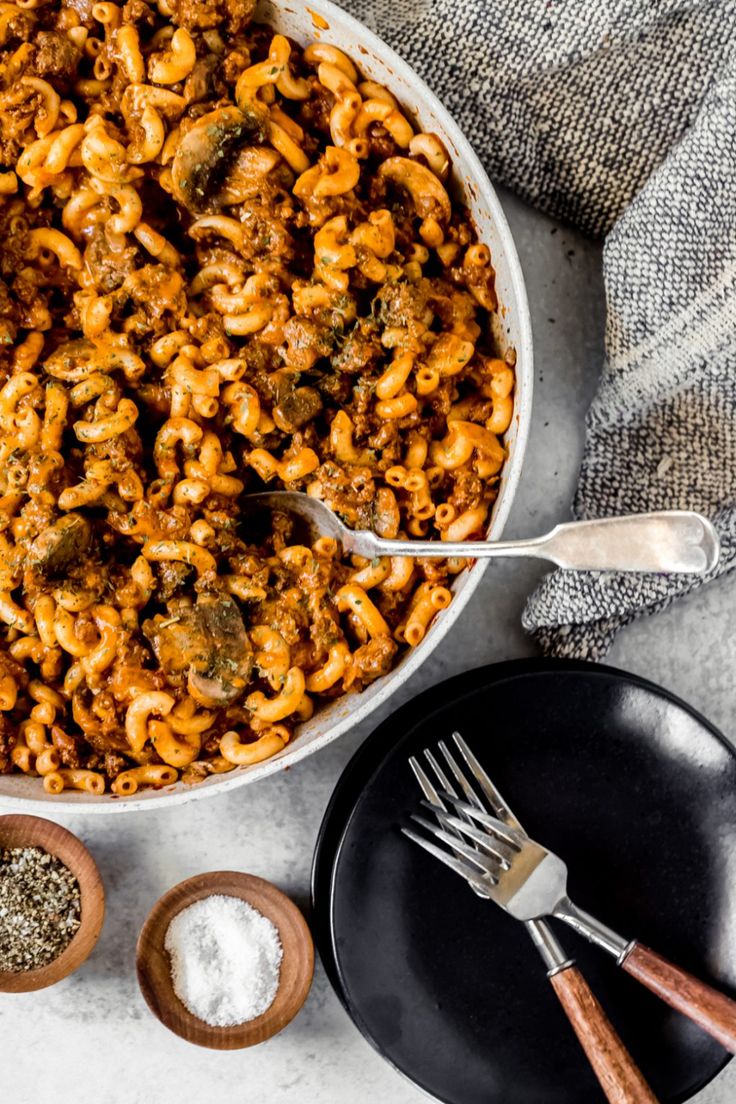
(297, 964)
(19, 830)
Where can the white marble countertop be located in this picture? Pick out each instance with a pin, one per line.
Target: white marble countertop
(91, 1039)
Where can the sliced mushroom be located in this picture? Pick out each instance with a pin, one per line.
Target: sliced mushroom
(176, 639)
(226, 674)
(61, 545)
(207, 645)
(206, 153)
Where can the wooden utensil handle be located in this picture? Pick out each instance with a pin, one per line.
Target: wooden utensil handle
(612, 1064)
(711, 1010)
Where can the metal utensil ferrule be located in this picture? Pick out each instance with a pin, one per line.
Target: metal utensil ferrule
(592, 930)
(548, 946)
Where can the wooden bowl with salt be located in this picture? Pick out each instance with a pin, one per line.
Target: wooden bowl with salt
(20, 830)
(296, 970)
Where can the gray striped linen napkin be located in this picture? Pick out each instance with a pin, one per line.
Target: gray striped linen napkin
(619, 117)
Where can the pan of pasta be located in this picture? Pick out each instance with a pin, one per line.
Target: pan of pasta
(242, 245)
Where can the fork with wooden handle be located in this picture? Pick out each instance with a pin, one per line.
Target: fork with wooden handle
(530, 882)
(618, 1076)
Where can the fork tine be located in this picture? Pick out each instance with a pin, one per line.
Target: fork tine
(448, 794)
(492, 795)
(440, 775)
(425, 784)
(463, 869)
(465, 829)
(511, 836)
(465, 786)
(435, 804)
(483, 861)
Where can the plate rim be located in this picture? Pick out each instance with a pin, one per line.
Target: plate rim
(465, 682)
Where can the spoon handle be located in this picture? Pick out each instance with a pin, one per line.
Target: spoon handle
(671, 540)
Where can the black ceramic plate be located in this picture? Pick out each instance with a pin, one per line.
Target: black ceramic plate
(632, 787)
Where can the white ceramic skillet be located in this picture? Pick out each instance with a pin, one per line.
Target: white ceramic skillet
(304, 23)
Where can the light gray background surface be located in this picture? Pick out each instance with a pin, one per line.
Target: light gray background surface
(91, 1039)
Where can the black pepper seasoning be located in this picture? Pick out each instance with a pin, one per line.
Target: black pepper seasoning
(39, 908)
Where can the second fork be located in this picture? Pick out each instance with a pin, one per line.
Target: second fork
(619, 1077)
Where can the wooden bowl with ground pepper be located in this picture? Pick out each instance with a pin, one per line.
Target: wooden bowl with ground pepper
(52, 903)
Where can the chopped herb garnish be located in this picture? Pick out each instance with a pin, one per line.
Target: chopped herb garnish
(39, 908)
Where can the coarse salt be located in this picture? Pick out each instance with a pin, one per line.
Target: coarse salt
(225, 960)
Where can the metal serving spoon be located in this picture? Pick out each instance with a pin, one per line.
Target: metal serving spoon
(670, 540)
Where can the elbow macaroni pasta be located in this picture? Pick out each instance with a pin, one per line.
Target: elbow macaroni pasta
(227, 262)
